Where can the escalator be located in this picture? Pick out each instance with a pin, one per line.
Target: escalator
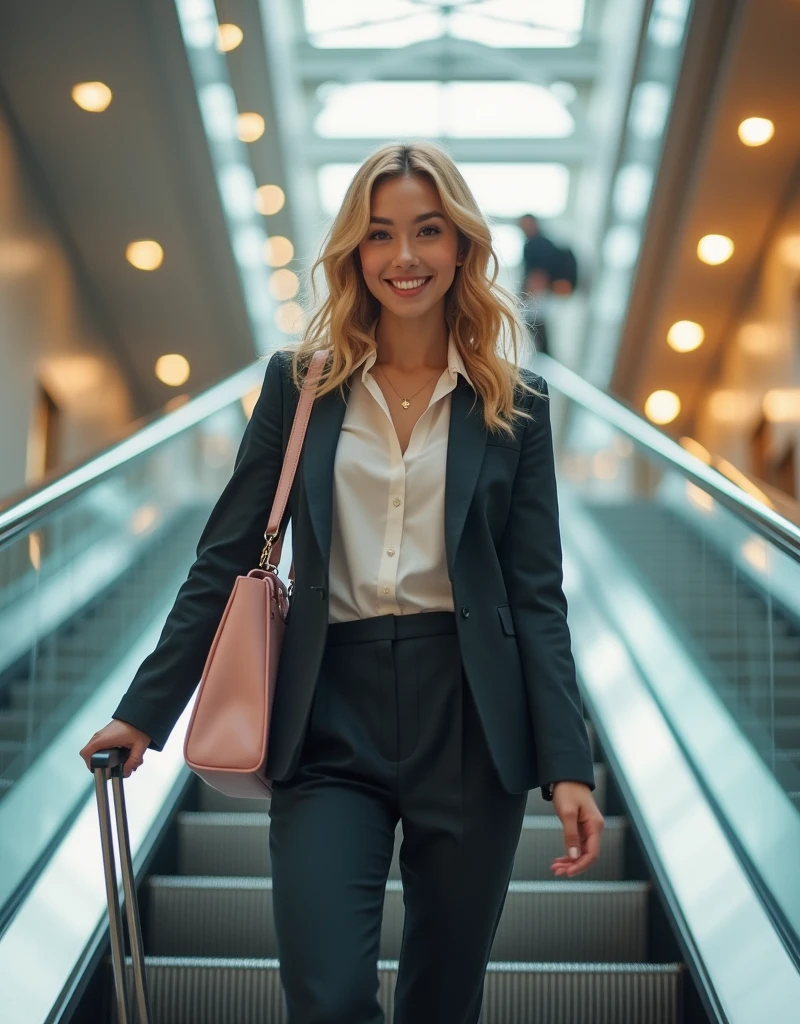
(589, 942)
(686, 648)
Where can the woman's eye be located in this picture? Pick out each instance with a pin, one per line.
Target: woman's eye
(429, 227)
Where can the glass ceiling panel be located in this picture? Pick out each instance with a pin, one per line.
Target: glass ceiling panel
(435, 109)
(501, 190)
(395, 23)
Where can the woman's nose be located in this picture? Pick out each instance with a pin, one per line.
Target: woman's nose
(405, 255)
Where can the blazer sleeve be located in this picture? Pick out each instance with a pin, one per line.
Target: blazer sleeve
(230, 545)
(531, 559)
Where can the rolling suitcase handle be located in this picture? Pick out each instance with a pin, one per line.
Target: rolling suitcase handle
(105, 764)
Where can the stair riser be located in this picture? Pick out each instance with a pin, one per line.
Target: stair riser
(243, 850)
(551, 926)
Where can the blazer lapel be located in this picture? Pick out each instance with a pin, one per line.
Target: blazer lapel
(465, 448)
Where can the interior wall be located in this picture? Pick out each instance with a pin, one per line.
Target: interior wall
(763, 353)
(46, 337)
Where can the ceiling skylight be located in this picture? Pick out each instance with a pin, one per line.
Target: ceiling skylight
(395, 23)
(436, 109)
(501, 190)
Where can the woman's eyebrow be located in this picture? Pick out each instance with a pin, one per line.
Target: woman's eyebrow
(422, 216)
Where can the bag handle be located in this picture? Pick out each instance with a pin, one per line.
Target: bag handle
(298, 432)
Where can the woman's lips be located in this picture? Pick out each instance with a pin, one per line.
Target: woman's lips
(407, 293)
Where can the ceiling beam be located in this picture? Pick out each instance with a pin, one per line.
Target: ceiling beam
(573, 150)
(451, 60)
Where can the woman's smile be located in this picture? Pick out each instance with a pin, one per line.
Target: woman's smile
(407, 286)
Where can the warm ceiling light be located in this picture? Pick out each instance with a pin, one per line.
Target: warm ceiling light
(172, 369)
(662, 407)
(755, 131)
(715, 249)
(283, 284)
(278, 251)
(250, 126)
(289, 317)
(269, 199)
(731, 405)
(228, 37)
(790, 251)
(145, 254)
(782, 405)
(92, 96)
(758, 339)
(696, 449)
(685, 336)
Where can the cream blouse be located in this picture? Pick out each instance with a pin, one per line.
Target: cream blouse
(387, 539)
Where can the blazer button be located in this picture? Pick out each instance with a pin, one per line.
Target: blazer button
(465, 612)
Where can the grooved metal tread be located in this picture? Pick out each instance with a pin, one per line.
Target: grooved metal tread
(191, 990)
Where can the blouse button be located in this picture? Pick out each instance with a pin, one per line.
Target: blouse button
(386, 590)
(390, 551)
(396, 501)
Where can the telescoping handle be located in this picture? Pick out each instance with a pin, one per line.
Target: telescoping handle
(107, 764)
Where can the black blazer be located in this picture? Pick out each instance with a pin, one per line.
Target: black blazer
(504, 561)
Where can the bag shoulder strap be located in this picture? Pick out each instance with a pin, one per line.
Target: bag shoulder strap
(270, 556)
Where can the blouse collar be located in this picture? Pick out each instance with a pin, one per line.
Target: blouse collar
(455, 362)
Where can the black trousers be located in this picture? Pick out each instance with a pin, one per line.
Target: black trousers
(393, 736)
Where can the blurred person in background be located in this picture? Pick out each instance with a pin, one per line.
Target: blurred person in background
(548, 270)
(426, 674)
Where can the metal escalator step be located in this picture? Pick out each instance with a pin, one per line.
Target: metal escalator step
(190, 990)
(228, 845)
(571, 920)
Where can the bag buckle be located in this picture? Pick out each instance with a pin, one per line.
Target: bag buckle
(264, 562)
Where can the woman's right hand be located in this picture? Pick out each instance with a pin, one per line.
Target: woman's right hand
(118, 734)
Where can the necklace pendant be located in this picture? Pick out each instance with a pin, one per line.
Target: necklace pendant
(406, 403)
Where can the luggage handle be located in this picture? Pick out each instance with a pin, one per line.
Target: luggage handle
(109, 763)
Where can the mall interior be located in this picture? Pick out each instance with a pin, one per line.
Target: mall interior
(169, 169)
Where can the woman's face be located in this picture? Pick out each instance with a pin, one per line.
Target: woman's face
(410, 240)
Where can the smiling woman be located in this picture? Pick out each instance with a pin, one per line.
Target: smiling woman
(425, 674)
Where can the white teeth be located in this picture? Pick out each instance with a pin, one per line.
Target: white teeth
(407, 285)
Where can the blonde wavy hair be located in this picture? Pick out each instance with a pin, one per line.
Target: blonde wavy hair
(478, 311)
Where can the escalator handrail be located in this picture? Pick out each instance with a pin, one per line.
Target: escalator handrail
(763, 520)
(21, 513)
(25, 509)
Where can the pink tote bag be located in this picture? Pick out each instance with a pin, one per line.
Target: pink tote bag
(227, 739)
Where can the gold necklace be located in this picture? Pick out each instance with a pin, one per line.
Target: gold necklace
(406, 401)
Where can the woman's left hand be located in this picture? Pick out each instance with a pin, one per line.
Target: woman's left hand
(574, 804)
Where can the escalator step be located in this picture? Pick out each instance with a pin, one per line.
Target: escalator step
(228, 845)
(193, 991)
(572, 920)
